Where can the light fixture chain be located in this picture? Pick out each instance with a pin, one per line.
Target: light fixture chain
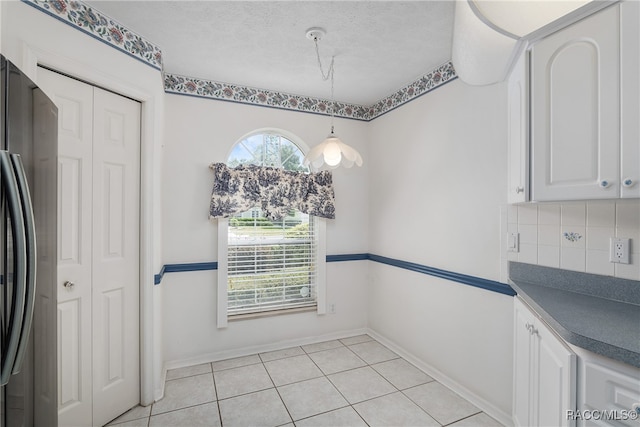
(326, 77)
(329, 73)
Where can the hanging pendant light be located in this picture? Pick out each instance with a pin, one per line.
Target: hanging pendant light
(330, 153)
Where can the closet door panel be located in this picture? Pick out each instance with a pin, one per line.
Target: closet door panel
(74, 100)
(116, 183)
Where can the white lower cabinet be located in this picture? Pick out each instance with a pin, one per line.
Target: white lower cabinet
(544, 373)
(608, 391)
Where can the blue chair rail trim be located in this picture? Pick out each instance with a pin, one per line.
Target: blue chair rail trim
(477, 282)
(347, 257)
(178, 268)
(158, 277)
(192, 266)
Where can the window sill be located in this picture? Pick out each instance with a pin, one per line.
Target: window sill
(246, 316)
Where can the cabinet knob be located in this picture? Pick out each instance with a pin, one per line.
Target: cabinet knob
(628, 182)
(604, 183)
(68, 284)
(532, 330)
(519, 190)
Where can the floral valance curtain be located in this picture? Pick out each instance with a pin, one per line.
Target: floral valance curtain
(275, 191)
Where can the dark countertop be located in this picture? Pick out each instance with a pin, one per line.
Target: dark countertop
(598, 313)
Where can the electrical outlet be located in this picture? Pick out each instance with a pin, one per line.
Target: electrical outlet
(619, 251)
(332, 308)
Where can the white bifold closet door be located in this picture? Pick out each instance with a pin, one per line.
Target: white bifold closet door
(98, 250)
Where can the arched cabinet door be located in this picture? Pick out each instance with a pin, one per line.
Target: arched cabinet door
(575, 111)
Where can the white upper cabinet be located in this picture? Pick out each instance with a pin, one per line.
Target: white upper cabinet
(630, 102)
(574, 111)
(518, 132)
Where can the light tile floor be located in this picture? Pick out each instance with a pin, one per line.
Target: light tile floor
(350, 382)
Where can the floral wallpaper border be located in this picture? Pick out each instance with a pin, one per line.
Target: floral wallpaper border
(183, 85)
(437, 77)
(98, 25)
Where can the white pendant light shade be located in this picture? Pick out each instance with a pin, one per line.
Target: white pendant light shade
(333, 153)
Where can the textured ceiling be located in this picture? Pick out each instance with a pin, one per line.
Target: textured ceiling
(380, 46)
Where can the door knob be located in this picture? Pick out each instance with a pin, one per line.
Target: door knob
(604, 183)
(68, 284)
(628, 182)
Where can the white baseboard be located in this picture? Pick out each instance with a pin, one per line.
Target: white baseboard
(247, 351)
(487, 407)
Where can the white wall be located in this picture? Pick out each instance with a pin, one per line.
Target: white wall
(31, 38)
(438, 181)
(199, 132)
(438, 168)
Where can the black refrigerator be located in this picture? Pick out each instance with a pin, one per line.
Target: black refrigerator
(28, 252)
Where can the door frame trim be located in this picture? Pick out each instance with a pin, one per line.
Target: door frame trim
(151, 364)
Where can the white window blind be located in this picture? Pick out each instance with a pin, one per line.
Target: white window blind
(271, 265)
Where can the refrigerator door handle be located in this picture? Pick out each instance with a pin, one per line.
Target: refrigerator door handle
(20, 269)
(30, 238)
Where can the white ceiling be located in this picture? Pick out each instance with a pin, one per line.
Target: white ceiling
(380, 46)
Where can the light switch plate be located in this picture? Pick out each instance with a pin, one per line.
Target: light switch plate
(513, 241)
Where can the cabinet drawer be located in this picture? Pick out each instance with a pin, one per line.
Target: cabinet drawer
(607, 389)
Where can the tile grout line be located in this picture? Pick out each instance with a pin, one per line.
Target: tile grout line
(215, 390)
(463, 418)
(276, 388)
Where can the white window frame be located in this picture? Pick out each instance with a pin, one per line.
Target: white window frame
(223, 237)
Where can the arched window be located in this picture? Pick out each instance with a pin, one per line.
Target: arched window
(266, 265)
(267, 149)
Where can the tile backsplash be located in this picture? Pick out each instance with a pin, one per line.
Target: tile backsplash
(573, 235)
